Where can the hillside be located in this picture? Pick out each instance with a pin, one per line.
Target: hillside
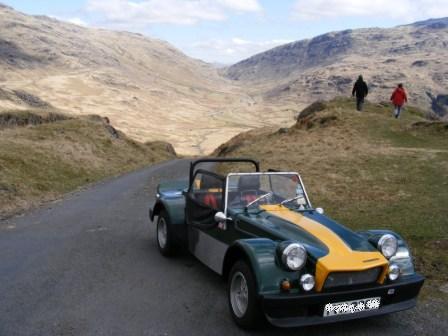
(152, 91)
(45, 154)
(367, 170)
(327, 65)
(147, 88)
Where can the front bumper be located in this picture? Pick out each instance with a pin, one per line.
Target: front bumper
(295, 310)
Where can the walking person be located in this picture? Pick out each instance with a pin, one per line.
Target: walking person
(361, 91)
(398, 98)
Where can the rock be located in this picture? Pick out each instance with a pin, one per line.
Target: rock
(15, 56)
(225, 149)
(432, 23)
(419, 63)
(112, 131)
(170, 149)
(311, 110)
(439, 104)
(444, 288)
(342, 83)
(29, 99)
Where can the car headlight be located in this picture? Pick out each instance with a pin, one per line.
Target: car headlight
(394, 272)
(307, 282)
(294, 256)
(388, 245)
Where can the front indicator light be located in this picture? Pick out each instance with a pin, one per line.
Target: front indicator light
(394, 272)
(307, 282)
(285, 285)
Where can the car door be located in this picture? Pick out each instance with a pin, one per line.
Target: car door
(206, 240)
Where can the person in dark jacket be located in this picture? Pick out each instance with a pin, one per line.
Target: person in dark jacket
(398, 98)
(361, 91)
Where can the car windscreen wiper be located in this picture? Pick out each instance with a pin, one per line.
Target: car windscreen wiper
(291, 199)
(258, 199)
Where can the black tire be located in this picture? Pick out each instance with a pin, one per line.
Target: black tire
(166, 246)
(251, 317)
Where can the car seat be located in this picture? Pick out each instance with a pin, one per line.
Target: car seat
(212, 188)
(248, 187)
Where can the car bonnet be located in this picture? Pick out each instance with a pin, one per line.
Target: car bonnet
(347, 251)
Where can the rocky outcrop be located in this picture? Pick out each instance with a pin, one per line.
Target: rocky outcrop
(439, 104)
(23, 98)
(280, 61)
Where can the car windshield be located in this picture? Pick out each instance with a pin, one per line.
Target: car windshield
(254, 189)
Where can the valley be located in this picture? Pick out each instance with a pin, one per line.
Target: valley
(146, 87)
(152, 91)
(91, 120)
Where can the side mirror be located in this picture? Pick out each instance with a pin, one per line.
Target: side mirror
(320, 211)
(220, 217)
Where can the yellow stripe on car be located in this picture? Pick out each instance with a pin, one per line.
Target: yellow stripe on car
(340, 257)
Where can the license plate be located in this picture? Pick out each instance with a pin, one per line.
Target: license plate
(351, 307)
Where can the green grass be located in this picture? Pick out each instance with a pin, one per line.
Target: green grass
(400, 193)
(369, 170)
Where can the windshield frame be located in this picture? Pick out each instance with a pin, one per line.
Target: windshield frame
(261, 174)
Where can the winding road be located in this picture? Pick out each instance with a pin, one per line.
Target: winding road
(89, 265)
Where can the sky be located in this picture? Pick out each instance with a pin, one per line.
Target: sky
(227, 31)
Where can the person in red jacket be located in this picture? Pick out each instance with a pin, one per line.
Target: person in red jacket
(398, 98)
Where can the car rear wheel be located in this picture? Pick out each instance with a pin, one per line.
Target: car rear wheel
(164, 235)
(242, 296)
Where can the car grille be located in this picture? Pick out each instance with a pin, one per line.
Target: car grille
(338, 279)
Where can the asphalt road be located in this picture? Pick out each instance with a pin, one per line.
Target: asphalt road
(89, 265)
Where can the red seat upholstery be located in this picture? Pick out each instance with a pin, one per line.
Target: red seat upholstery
(211, 191)
(210, 200)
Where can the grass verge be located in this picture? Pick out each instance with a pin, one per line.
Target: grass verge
(368, 170)
(43, 155)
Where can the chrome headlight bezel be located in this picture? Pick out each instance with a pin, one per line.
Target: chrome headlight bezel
(294, 256)
(307, 282)
(394, 272)
(388, 245)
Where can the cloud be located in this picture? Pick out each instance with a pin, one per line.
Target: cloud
(241, 5)
(76, 20)
(232, 50)
(182, 12)
(408, 10)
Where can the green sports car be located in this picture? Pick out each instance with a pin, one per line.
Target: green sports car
(284, 260)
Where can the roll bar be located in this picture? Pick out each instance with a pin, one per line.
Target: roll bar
(218, 160)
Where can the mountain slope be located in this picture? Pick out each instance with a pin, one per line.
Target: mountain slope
(45, 154)
(327, 65)
(368, 170)
(146, 87)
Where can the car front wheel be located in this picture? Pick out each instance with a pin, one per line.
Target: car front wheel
(242, 296)
(164, 236)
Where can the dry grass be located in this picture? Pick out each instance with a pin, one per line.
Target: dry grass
(368, 170)
(15, 118)
(147, 88)
(41, 162)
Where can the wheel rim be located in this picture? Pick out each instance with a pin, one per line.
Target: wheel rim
(162, 232)
(239, 294)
